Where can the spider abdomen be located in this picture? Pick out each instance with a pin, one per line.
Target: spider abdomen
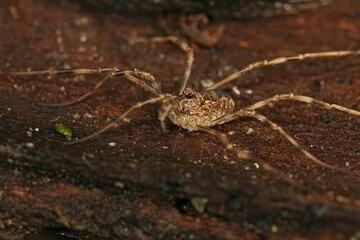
(193, 109)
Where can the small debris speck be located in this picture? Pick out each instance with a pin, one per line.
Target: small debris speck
(29, 145)
(83, 37)
(274, 228)
(81, 21)
(126, 120)
(88, 116)
(205, 83)
(119, 184)
(55, 119)
(112, 144)
(249, 131)
(76, 116)
(236, 90)
(249, 91)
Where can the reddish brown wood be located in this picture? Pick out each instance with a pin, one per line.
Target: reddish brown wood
(51, 185)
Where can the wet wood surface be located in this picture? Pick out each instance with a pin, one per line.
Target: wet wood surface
(136, 182)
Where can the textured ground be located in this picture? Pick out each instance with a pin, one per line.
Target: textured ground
(142, 187)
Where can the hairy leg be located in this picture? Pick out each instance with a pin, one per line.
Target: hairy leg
(134, 107)
(183, 45)
(301, 98)
(143, 79)
(280, 60)
(252, 114)
(245, 155)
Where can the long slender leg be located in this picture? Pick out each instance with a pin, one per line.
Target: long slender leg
(133, 76)
(55, 72)
(351, 203)
(136, 106)
(280, 60)
(79, 99)
(245, 155)
(275, 127)
(182, 44)
(251, 113)
(300, 98)
(128, 74)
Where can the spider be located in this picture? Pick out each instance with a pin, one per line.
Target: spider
(202, 110)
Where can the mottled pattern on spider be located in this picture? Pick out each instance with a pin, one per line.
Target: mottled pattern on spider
(194, 110)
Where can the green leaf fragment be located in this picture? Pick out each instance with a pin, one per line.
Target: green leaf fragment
(199, 203)
(63, 130)
(4, 149)
(2, 193)
(356, 236)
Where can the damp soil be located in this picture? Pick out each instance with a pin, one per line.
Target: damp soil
(137, 182)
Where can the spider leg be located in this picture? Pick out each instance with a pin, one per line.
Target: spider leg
(134, 107)
(183, 45)
(280, 60)
(79, 99)
(132, 76)
(276, 127)
(136, 76)
(56, 72)
(192, 27)
(300, 98)
(245, 155)
(139, 78)
(251, 113)
(163, 115)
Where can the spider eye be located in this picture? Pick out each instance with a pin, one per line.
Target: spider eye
(189, 95)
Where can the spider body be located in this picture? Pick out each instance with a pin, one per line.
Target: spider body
(192, 109)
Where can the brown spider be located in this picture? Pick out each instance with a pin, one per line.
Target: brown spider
(200, 111)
